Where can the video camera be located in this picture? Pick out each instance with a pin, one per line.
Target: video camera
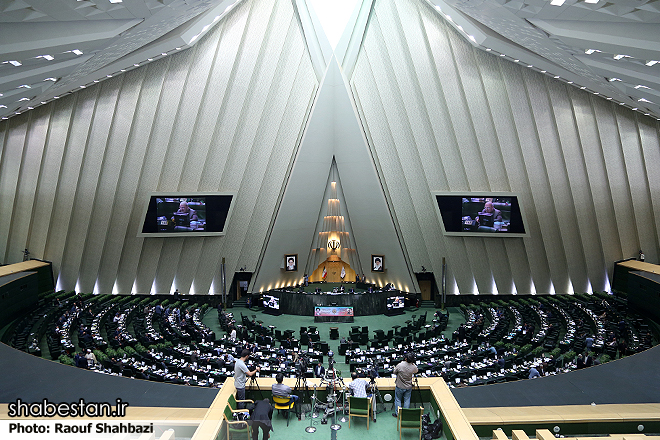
(301, 364)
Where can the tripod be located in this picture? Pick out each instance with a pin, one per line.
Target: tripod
(331, 380)
(301, 385)
(419, 392)
(378, 397)
(253, 381)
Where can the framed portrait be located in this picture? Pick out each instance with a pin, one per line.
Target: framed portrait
(291, 263)
(377, 263)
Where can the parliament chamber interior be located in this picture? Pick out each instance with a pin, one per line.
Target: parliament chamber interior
(413, 219)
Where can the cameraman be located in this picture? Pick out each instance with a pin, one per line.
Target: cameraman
(358, 387)
(404, 373)
(241, 372)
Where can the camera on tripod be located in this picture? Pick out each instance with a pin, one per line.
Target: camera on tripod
(301, 364)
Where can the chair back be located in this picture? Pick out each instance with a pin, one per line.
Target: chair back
(282, 402)
(358, 403)
(411, 416)
(228, 414)
(232, 402)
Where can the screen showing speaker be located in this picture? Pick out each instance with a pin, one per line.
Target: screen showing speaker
(271, 302)
(485, 214)
(395, 302)
(186, 214)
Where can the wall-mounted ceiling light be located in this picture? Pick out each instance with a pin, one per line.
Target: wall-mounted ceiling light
(557, 2)
(652, 62)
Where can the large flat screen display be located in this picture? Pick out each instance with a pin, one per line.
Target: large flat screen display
(271, 302)
(481, 214)
(396, 302)
(186, 215)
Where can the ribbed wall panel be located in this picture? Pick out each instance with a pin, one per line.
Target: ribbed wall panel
(444, 116)
(226, 115)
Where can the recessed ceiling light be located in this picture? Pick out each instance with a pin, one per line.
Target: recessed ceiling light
(596, 93)
(115, 1)
(620, 56)
(77, 52)
(529, 65)
(557, 2)
(83, 87)
(516, 61)
(50, 79)
(96, 80)
(150, 59)
(136, 65)
(557, 76)
(609, 99)
(635, 108)
(570, 82)
(593, 2)
(108, 76)
(46, 57)
(15, 63)
(652, 62)
(613, 79)
(123, 70)
(543, 71)
(471, 37)
(590, 51)
(639, 86)
(164, 54)
(178, 48)
(30, 108)
(488, 49)
(23, 99)
(644, 100)
(23, 86)
(582, 88)
(502, 55)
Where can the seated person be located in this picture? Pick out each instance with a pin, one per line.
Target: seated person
(184, 210)
(281, 390)
(358, 387)
(489, 215)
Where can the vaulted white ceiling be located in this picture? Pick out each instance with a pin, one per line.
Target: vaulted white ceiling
(50, 48)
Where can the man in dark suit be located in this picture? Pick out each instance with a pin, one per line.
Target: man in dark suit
(319, 370)
(261, 415)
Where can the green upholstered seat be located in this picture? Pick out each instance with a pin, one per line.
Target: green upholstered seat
(359, 407)
(410, 418)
